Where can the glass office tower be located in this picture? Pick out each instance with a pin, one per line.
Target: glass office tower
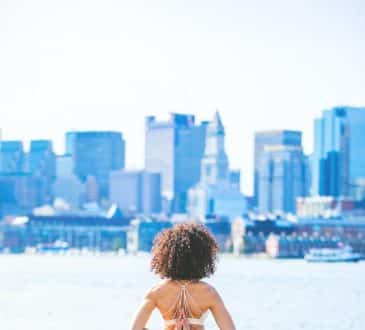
(271, 138)
(42, 166)
(175, 149)
(338, 160)
(96, 154)
(11, 156)
(284, 177)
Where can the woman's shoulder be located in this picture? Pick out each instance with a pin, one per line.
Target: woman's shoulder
(157, 288)
(209, 288)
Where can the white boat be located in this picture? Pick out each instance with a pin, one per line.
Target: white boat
(343, 254)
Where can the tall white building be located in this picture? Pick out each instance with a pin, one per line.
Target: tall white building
(215, 194)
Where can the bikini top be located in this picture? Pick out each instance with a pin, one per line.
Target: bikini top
(183, 316)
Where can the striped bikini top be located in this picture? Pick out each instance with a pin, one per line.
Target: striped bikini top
(183, 316)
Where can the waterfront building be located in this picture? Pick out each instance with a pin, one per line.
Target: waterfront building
(350, 231)
(67, 185)
(136, 191)
(12, 158)
(328, 206)
(257, 232)
(221, 230)
(343, 226)
(42, 165)
(279, 237)
(214, 194)
(94, 233)
(266, 226)
(96, 154)
(175, 148)
(338, 161)
(264, 139)
(143, 233)
(283, 178)
(293, 246)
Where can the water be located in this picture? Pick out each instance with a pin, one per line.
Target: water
(101, 293)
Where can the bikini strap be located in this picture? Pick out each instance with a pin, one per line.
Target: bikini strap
(182, 302)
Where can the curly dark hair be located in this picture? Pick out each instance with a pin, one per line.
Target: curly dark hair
(188, 251)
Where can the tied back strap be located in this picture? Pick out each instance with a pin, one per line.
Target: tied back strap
(183, 311)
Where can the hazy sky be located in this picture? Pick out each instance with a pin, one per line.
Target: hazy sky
(106, 64)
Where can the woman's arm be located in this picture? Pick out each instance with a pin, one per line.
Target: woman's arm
(220, 312)
(144, 312)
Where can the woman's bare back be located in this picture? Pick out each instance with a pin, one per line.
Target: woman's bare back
(199, 298)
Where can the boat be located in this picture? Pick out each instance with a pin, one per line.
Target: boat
(342, 254)
(57, 246)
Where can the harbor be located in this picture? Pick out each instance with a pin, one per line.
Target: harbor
(274, 238)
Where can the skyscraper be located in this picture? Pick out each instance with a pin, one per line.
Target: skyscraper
(215, 194)
(67, 186)
(65, 166)
(42, 166)
(19, 190)
(18, 193)
(175, 148)
(12, 159)
(136, 191)
(338, 160)
(96, 154)
(283, 178)
(215, 168)
(271, 138)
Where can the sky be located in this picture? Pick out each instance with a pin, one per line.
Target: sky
(106, 64)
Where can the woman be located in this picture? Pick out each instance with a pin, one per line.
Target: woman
(182, 256)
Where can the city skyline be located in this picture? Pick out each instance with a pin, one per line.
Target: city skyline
(247, 181)
(277, 64)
